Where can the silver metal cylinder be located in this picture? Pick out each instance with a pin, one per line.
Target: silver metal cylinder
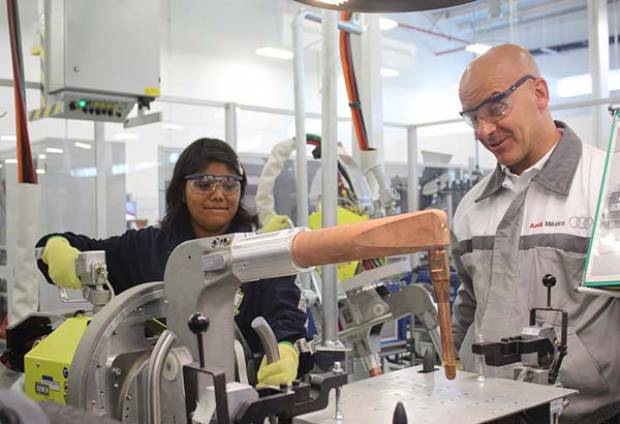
(412, 179)
(264, 256)
(329, 165)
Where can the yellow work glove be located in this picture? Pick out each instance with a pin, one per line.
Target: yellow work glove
(276, 223)
(283, 371)
(60, 257)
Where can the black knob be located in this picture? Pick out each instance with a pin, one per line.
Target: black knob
(428, 363)
(198, 323)
(400, 415)
(549, 280)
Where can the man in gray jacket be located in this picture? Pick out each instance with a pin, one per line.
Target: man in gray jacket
(518, 224)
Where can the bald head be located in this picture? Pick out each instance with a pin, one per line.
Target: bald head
(506, 62)
(506, 101)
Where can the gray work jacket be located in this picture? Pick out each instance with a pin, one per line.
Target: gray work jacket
(506, 240)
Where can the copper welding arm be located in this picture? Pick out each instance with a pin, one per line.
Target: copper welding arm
(407, 233)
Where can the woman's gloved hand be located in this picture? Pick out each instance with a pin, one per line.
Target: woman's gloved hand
(60, 257)
(276, 223)
(283, 371)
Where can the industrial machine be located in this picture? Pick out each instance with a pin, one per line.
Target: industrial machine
(130, 366)
(537, 348)
(372, 292)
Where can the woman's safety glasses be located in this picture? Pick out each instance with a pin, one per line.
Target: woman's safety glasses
(206, 183)
(495, 108)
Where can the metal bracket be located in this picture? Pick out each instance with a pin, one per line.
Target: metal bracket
(143, 118)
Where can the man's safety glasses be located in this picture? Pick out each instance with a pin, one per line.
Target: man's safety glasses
(495, 108)
(206, 183)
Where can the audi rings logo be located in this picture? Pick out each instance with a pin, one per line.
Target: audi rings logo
(580, 222)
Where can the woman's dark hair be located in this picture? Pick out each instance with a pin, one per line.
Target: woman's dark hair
(194, 159)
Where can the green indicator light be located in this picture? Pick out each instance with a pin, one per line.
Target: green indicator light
(82, 103)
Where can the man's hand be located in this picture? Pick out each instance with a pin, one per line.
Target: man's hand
(276, 223)
(60, 257)
(283, 371)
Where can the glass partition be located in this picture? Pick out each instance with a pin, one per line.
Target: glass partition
(603, 261)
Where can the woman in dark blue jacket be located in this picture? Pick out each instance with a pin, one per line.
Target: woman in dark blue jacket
(204, 199)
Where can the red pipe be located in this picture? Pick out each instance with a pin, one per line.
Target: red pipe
(431, 32)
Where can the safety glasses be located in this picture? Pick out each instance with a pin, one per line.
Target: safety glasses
(495, 108)
(207, 183)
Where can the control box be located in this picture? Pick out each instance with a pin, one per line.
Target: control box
(99, 58)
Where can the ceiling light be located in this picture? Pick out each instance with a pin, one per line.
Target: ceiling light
(389, 72)
(53, 150)
(126, 136)
(10, 160)
(42, 156)
(172, 127)
(40, 171)
(581, 84)
(83, 145)
(87, 172)
(477, 48)
(8, 138)
(274, 53)
(332, 2)
(386, 24)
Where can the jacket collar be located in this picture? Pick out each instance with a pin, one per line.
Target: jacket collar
(556, 175)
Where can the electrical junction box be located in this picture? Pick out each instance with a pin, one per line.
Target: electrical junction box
(98, 58)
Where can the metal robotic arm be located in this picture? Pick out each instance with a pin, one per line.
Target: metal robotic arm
(203, 275)
(117, 372)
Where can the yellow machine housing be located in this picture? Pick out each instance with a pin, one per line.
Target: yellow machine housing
(48, 364)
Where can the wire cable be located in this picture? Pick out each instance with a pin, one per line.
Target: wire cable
(346, 58)
(25, 168)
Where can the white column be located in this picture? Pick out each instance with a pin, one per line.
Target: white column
(599, 69)
(231, 124)
(301, 165)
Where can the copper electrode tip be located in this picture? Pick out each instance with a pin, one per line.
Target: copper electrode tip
(450, 371)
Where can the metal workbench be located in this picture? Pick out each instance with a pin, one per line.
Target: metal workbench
(431, 398)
